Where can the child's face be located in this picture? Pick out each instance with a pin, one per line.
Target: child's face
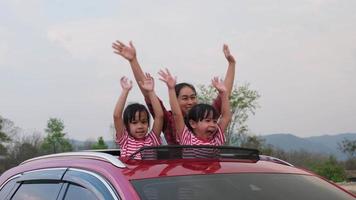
(206, 128)
(186, 99)
(139, 126)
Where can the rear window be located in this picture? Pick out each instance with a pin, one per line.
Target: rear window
(239, 186)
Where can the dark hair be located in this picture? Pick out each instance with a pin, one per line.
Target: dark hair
(199, 112)
(130, 112)
(180, 86)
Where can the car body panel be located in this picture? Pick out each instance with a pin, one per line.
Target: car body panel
(152, 169)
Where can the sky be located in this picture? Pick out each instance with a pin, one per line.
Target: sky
(56, 59)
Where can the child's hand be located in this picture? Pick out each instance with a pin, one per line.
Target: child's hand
(128, 52)
(148, 83)
(218, 84)
(228, 55)
(166, 77)
(125, 83)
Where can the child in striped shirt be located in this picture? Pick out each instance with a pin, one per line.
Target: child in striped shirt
(133, 125)
(202, 125)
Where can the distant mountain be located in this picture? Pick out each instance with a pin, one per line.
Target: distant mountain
(326, 144)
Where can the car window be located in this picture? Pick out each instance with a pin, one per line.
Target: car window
(246, 186)
(38, 191)
(6, 189)
(76, 192)
(96, 184)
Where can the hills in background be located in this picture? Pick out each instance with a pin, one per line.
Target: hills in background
(325, 144)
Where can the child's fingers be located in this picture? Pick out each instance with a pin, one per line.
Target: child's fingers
(122, 44)
(163, 80)
(148, 75)
(162, 74)
(131, 44)
(167, 71)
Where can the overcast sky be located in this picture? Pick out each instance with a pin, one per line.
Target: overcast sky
(56, 59)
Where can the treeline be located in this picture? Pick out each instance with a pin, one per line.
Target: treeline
(325, 165)
(16, 147)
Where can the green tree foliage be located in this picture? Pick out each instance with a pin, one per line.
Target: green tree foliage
(55, 140)
(330, 169)
(100, 144)
(321, 164)
(243, 101)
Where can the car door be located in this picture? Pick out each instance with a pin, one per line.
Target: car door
(38, 184)
(58, 184)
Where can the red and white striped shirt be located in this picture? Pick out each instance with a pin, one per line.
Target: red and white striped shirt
(129, 145)
(188, 138)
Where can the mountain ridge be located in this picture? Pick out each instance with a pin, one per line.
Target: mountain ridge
(325, 144)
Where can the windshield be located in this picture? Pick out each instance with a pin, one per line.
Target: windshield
(239, 186)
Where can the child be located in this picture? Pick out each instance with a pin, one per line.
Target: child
(202, 125)
(185, 92)
(132, 127)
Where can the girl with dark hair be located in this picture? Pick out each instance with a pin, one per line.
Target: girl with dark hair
(202, 125)
(133, 125)
(185, 92)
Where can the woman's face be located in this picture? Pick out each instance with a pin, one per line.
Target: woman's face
(187, 98)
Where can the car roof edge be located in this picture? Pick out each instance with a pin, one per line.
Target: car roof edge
(84, 154)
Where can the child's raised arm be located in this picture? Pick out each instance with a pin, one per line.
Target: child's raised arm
(166, 77)
(230, 73)
(225, 104)
(126, 86)
(148, 86)
(129, 53)
(229, 77)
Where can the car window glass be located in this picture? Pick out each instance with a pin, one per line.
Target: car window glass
(239, 186)
(7, 188)
(38, 191)
(76, 192)
(93, 182)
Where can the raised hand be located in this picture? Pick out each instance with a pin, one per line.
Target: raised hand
(218, 84)
(128, 52)
(228, 55)
(148, 83)
(166, 77)
(125, 83)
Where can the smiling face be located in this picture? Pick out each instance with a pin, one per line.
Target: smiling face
(138, 127)
(206, 128)
(187, 98)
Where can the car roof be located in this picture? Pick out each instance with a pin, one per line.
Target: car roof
(106, 162)
(141, 169)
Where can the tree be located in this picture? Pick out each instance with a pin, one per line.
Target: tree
(4, 138)
(348, 147)
(243, 102)
(55, 141)
(23, 148)
(331, 170)
(100, 144)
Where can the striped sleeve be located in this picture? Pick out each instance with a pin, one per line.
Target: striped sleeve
(155, 140)
(123, 139)
(220, 135)
(186, 137)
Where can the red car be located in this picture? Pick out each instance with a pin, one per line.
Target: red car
(165, 172)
